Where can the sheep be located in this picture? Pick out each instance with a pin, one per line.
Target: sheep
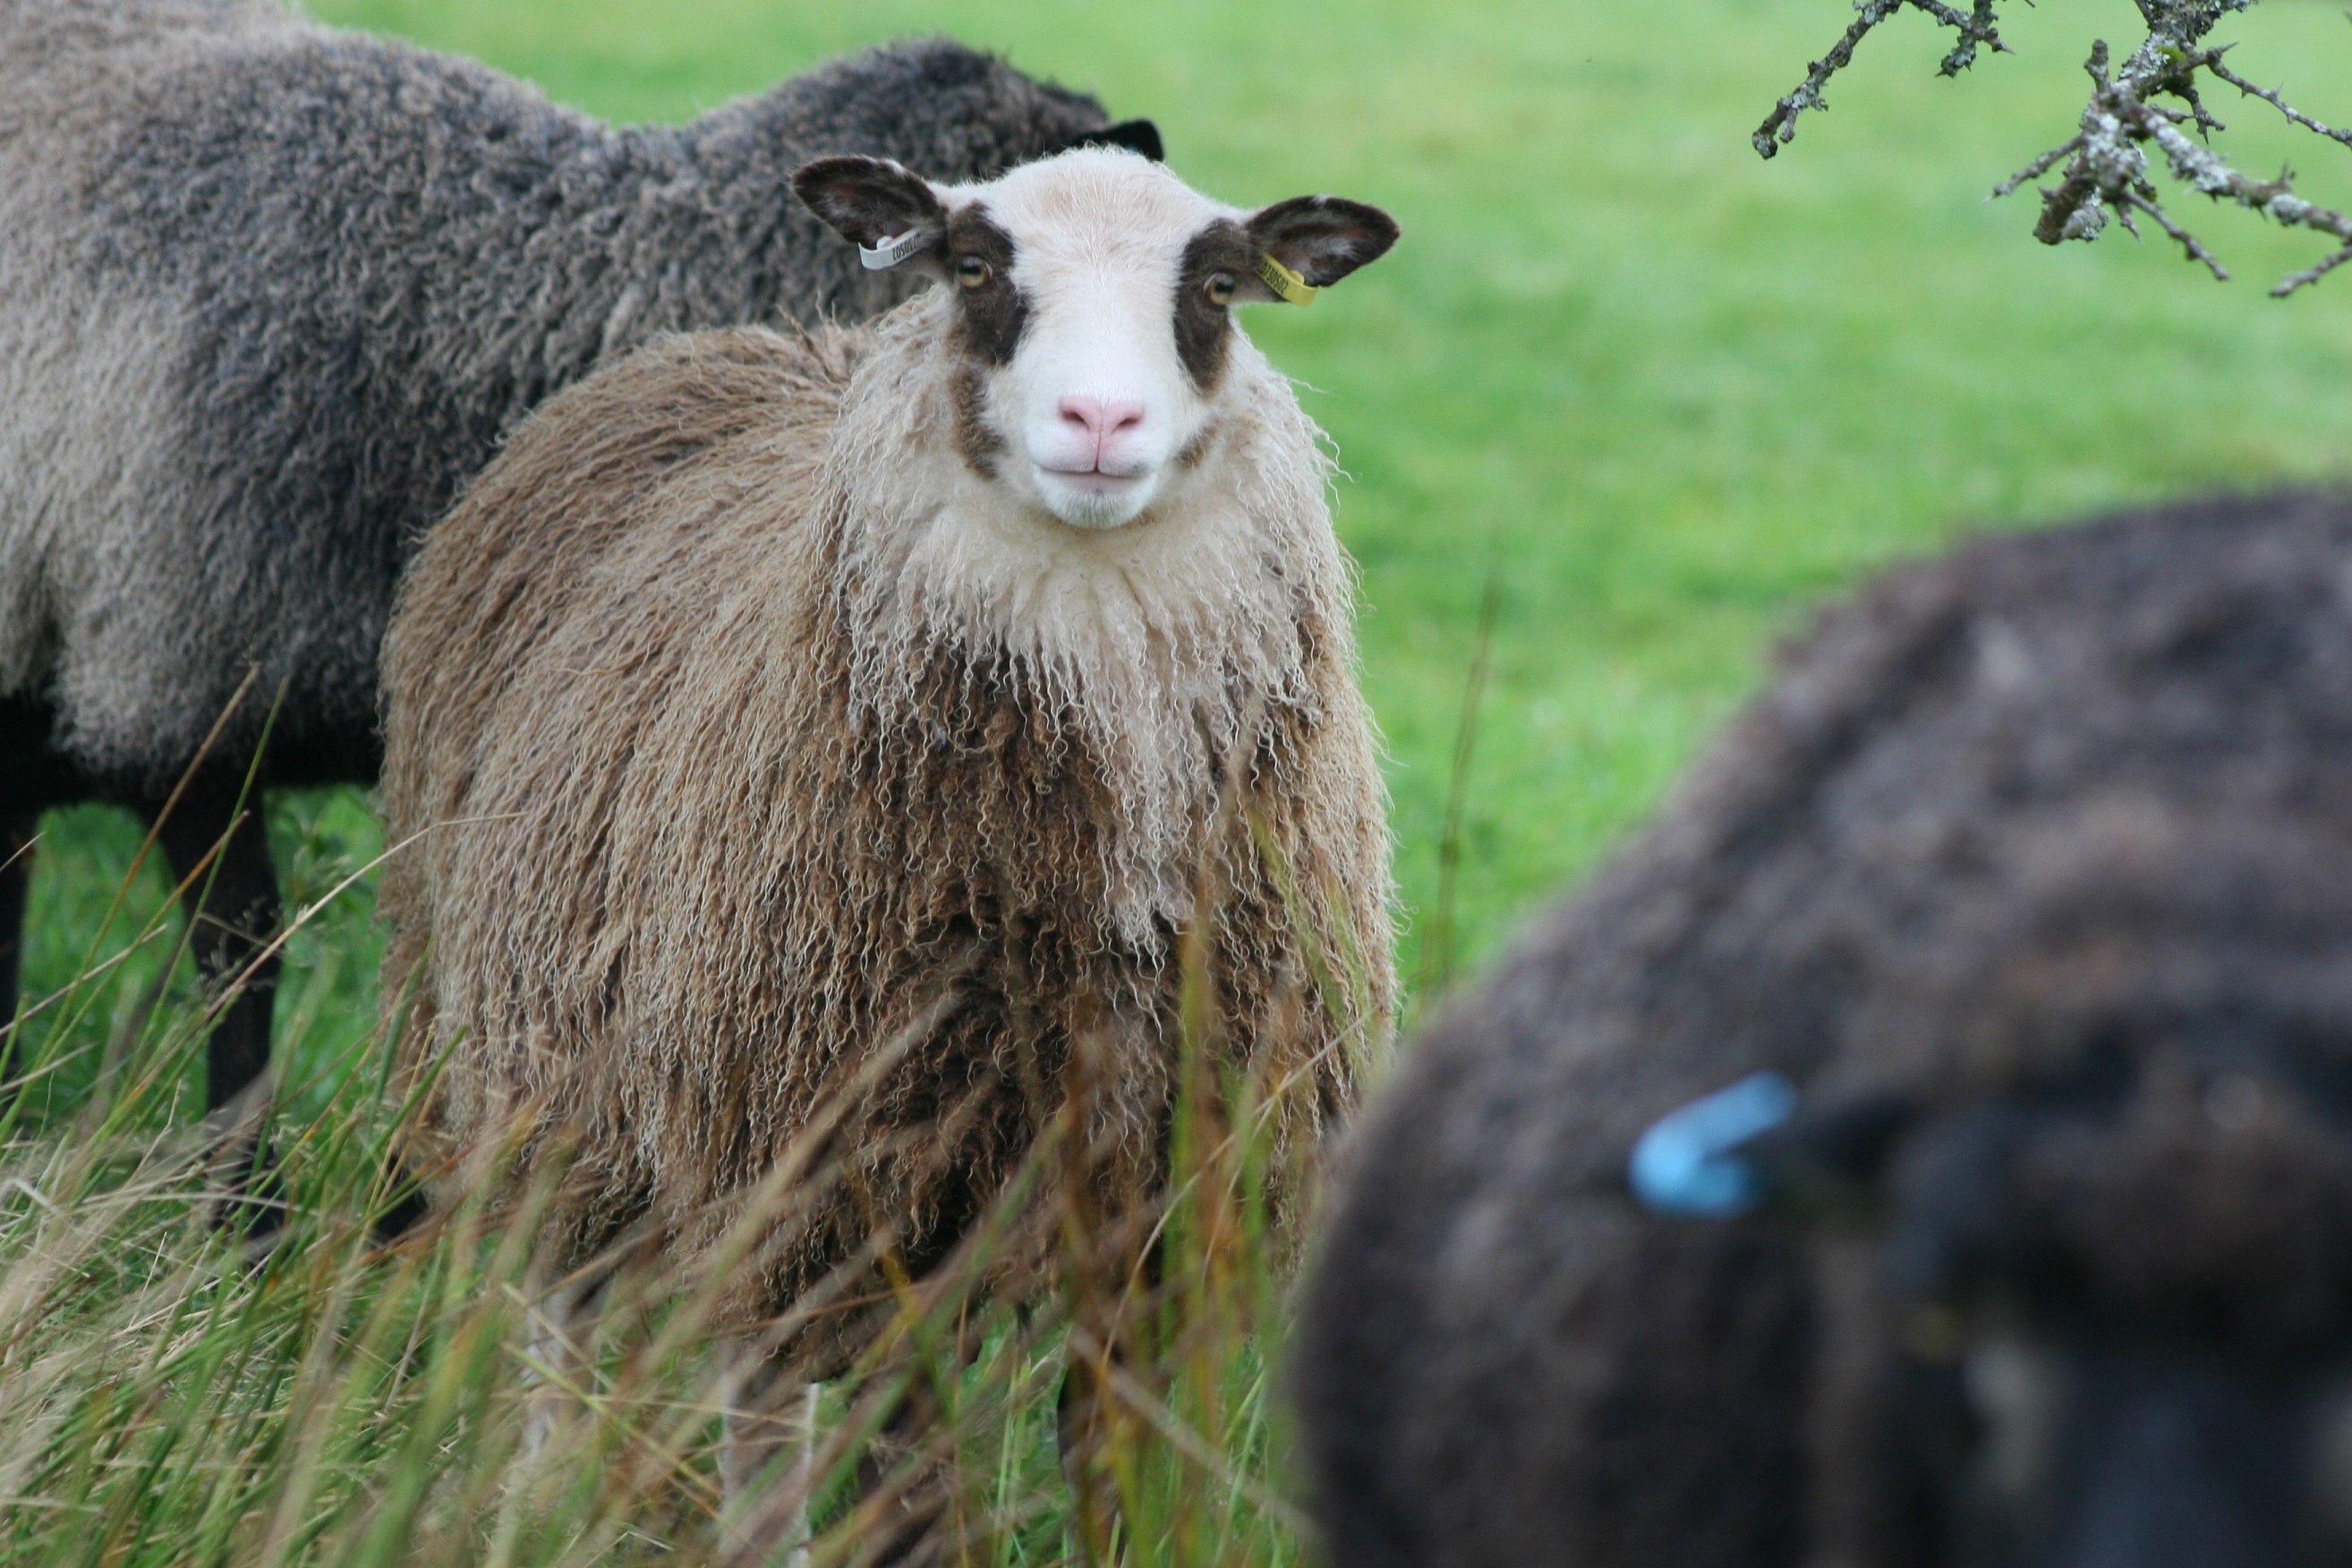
(269, 295)
(778, 709)
(1925, 1143)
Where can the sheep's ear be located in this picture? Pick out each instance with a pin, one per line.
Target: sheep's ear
(1755, 1145)
(1312, 242)
(1135, 135)
(888, 212)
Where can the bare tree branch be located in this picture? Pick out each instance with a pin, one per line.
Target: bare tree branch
(2294, 280)
(2107, 168)
(1781, 125)
(2189, 242)
(2211, 60)
(2036, 169)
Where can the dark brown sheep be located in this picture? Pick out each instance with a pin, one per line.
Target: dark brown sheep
(2032, 873)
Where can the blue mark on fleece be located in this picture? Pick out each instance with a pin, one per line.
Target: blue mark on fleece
(1685, 1163)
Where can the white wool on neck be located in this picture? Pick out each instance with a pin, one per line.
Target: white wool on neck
(1156, 644)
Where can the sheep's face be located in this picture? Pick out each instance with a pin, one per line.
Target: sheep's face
(2125, 1309)
(1091, 298)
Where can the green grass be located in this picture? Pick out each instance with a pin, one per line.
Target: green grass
(1674, 394)
(1663, 395)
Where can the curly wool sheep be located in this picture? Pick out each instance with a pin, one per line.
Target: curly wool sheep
(2032, 874)
(271, 293)
(772, 704)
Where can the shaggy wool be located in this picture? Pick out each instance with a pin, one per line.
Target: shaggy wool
(270, 293)
(2047, 848)
(731, 753)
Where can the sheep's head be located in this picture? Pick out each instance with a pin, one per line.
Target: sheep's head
(2104, 1228)
(2121, 1313)
(1092, 297)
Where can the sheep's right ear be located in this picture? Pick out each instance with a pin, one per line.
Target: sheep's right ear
(1308, 243)
(887, 210)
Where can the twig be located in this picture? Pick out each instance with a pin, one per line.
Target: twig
(2312, 274)
(2036, 169)
(2189, 242)
(2211, 60)
(1781, 125)
(2108, 170)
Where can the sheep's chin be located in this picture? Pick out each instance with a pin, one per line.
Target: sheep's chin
(1091, 502)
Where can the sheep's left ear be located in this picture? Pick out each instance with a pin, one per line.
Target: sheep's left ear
(1313, 242)
(887, 210)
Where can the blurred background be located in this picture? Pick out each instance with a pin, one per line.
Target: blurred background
(1624, 402)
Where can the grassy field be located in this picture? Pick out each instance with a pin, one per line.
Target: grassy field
(1658, 396)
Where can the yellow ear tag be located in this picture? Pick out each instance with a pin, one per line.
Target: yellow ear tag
(1286, 284)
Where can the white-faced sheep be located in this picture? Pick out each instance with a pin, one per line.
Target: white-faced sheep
(768, 701)
(2031, 878)
(270, 294)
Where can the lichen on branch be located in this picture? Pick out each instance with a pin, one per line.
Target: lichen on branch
(2106, 164)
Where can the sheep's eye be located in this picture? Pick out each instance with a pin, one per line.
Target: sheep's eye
(975, 273)
(1220, 287)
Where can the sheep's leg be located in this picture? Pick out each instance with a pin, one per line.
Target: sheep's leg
(1081, 1419)
(232, 907)
(33, 777)
(904, 1494)
(17, 829)
(1085, 1409)
(563, 1323)
(765, 1517)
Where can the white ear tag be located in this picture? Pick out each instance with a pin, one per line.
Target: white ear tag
(891, 251)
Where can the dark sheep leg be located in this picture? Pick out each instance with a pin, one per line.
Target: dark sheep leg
(32, 777)
(17, 829)
(232, 908)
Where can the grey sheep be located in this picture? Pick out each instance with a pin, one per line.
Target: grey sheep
(2026, 892)
(270, 294)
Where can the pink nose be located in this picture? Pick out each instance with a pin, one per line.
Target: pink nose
(1102, 421)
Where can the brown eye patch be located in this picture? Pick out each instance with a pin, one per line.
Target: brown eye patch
(976, 440)
(990, 311)
(1215, 260)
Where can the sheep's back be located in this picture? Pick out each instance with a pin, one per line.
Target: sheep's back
(271, 293)
(307, 256)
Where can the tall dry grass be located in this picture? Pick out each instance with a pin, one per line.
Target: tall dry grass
(172, 1391)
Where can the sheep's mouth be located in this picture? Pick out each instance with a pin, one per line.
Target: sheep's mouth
(1098, 481)
(1090, 498)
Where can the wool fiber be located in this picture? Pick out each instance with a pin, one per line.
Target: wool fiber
(270, 293)
(734, 746)
(2033, 870)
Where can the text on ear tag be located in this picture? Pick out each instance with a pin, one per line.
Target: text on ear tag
(1286, 284)
(891, 251)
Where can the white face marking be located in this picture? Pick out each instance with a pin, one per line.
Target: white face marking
(1095, 403)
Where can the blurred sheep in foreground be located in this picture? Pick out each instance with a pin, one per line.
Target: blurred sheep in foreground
(1981, 1009)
